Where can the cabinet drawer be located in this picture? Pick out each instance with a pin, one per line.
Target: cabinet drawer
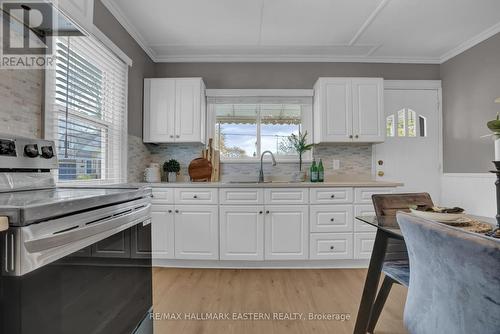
(331, 246)
(241, 196)
(162, 196)
(363, 245)
(196, 196)
(331, 195)
(331, 218)
(363, 210)
(364, 195)
(286, 196)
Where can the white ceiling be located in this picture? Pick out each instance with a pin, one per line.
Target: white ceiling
(412, 31)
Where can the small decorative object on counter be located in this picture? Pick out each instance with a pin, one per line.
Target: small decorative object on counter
(321, 171)
(171, 168)
(200, 169)
(152, 173)
(300, 145)
(314, 171)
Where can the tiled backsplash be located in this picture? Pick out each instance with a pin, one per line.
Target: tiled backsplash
(21, 96)
(355, 159)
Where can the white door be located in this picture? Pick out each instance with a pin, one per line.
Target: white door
(159, 110)
(162, 231)
(242, 232)
(336, 110)
(286, 232)
(411, 152)
(367, 110)
(188, 110)
(196, 232)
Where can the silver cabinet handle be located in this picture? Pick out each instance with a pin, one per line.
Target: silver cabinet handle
(176, 211)
(356, 136)
(260, 212)
(194, 196)
(169, 211)
(332, 247)
(332, 219)
(332, 196)
(171, 136)
(350, 136)
(267, 212)
(177, 136)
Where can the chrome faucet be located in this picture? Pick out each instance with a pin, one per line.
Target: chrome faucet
(261, 173)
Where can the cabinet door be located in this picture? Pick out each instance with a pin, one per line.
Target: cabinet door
(162, 231)
(196, 232)
(159, 110)
(286, 232)
(368, 113)
(140, 241)
(188, 110)
(117, 245)
(242, 232)
(333, 104)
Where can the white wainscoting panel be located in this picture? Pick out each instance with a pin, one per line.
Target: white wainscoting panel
(475, 192)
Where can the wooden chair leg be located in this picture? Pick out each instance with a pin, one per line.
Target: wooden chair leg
(379, 302)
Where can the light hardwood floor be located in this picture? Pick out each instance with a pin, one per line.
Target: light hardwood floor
(268, 292)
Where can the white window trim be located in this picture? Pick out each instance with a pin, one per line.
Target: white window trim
(307, 119)
(100, 36)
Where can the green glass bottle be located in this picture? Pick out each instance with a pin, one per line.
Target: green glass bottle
(314, 171)
(321, 171)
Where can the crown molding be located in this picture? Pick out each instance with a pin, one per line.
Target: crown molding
(287, 58)
(471, 42)
(129, 27)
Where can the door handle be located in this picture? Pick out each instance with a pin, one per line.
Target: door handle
(380, 173)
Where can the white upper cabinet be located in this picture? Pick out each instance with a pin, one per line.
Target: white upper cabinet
(80, 11)
(174, 110)
(348, 110)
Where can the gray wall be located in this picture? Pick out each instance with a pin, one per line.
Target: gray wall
(471, 82)
(289, 75)
(142, 66)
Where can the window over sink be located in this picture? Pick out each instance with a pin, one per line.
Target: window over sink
(244, 127)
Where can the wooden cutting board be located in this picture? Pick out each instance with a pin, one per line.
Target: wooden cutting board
(200, 169)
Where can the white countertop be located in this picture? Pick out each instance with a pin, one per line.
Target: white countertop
(340, 182)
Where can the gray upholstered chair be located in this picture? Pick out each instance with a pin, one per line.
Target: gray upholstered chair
(455, 279)
(396, 267)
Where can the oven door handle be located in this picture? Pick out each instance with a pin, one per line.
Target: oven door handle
(77, 234)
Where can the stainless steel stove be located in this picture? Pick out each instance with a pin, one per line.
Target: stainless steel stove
(74, 259)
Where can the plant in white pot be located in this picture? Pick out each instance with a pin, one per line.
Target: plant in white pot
(171, 168)
(300, 145)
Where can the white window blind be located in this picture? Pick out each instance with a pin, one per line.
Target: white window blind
(85, 113)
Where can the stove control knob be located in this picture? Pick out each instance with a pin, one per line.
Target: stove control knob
(31, 150)
(47, 152)
(7, 148)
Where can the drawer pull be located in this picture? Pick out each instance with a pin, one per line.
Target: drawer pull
(260, 212)
(267, 212)
(332, 219)
(169, 211)
(194, 196)
(176, 211)
(332, 247)
(332, 196)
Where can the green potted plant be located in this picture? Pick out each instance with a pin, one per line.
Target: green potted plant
(300, 145)
(171, 168)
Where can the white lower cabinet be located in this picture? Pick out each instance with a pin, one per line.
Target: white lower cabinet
(363, 245)
(162, 231)
(286, 232)
(331, 246)
(242, 232)
(197, 232)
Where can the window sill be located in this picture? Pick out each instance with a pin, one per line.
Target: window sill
(257, 161)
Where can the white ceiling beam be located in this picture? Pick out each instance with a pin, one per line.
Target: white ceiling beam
(369, 21)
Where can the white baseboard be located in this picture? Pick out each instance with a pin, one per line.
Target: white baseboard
(303, 264)
(475, 192)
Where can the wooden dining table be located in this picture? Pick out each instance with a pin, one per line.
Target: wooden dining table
(387, 228)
